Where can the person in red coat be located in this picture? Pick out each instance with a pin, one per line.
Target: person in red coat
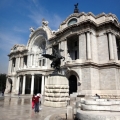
(33, 101)
(37, 103)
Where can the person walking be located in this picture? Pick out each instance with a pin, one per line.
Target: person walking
(33, 101)
(40, 108)
(3, 92)
(37, 103)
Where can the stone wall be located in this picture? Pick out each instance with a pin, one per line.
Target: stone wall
(94, 48)
(108, 79)
(103, 53)
(95, 85)
(86, 79)
(82, 47)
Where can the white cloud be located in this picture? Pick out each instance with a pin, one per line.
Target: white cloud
(7, 41)
(17, 29)
(38, 13)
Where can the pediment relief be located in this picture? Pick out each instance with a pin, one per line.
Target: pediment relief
(18, 47)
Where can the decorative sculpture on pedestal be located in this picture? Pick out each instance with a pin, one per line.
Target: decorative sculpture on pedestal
(56, 60)
(56, 87)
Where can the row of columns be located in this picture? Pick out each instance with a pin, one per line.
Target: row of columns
(32, 60)
(63, 45)
(32, 84)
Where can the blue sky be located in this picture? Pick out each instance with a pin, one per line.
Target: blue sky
(17, 16)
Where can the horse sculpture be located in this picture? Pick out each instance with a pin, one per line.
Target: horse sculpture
(56, 59)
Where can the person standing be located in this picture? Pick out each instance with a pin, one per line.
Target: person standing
(33, 101)
(37, 103)
(3, 92)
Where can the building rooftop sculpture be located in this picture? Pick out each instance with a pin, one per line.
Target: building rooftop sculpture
(76, 10)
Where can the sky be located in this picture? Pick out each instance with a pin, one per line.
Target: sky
(17, 16)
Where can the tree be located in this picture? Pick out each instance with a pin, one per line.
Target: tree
(2, 81)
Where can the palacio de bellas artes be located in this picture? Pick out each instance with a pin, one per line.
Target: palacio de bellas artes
(91, 47)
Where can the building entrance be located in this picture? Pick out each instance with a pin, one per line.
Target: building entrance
(37, 84)
(28, 85)
(72, 84)
(21, 84)
(10, 81)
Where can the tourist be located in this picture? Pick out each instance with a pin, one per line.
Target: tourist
(40, 102)
(33, 101)
(3, 92)
(97, 96)
(37, 103)
(19, 94)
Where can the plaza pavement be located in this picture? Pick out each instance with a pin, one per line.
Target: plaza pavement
(15, 108)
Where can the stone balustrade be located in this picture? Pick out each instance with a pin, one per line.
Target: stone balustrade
(98, 109)
(101, 105)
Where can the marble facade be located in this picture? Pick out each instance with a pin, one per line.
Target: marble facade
(91, 46)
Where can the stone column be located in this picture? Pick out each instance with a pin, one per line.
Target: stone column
(23, 85)
(65, 42)
(28, 60)
(22, 65)
(59, 46)
(17, 84)
(31, 60)
(34, 60)
(32, 85)
(9, 65)
(79, 45)
(115, 47)
(18, 62)
(88, 46)
(49, 51)
(110, 46)
(42, 88)
(46, 78)
(13, 85)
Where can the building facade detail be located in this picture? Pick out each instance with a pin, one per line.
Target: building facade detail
(90, 45)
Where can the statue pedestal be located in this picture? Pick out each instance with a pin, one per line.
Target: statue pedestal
(56, 91)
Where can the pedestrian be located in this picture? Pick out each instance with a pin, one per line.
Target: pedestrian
(19, 94)
(37, 103)
(97, 96)
(3, 92)
(40, 102)
(33, 101)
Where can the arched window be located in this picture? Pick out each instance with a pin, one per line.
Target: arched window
(72, 21)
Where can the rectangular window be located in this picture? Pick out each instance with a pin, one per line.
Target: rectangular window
(75, 43)
(14, 62)
(43, 62)
(39, 62)
(55, 49)
(118, 47)
(25, 60)
(75, 54)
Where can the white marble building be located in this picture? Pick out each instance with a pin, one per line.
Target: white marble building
(91, 46)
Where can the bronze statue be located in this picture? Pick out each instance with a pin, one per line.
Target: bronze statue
(76, 5)
(56, 59)
(76, 10)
